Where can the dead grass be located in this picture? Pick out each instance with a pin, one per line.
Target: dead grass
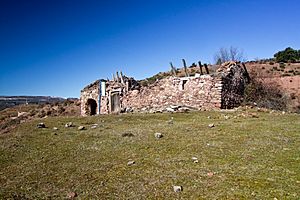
(242, 157)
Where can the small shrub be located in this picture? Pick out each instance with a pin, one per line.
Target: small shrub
(267, 95)
(271, 63)
(293, 96)
(282, 65)
(275, 68)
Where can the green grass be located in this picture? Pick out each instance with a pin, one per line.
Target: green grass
(250, 158)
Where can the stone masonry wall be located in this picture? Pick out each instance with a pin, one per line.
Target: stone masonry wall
(89, 92)
(221, 90)
(197, 92)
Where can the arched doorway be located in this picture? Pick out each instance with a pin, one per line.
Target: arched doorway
(91, 107)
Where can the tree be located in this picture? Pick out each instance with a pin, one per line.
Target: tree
(287, 55)
(231, 54)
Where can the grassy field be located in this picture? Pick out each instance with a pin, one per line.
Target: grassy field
(247, 155)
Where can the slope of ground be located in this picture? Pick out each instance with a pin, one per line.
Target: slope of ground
(11, 117)
(285, 76)
(249, 154)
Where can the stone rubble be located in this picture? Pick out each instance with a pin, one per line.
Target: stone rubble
(69, 124)
(41, 125)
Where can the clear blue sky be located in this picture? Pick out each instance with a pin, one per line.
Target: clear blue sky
(56, 47)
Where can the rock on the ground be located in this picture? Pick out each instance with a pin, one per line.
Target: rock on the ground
(128, 109)
(210, 174)
(21, 114)
(184, 109)
(158, 135)
(55, 128)
(195, 159)
(177, 188)
(170, 110)
(93, 126)
(131, 162)
(81, 128)
(175, 107)
(41, 125)
(211, 125)
(69, 124)
(71, 195)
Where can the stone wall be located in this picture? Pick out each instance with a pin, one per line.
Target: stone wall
(90, 92)
(197, 92)
(223, 89)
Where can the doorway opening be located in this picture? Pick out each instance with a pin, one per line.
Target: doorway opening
(91, 107)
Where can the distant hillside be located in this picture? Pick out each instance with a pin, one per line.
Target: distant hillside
(10, 101)
(11, 117)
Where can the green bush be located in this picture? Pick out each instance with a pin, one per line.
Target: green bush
(287, 55)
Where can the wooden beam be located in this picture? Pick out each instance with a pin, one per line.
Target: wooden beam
(206, 68)
(185, 68)
(200, 66)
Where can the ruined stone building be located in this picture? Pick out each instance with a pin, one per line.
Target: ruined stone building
(220, 90)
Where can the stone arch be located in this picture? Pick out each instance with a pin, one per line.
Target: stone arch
(91, 107)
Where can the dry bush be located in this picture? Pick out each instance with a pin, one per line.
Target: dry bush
(265, 94)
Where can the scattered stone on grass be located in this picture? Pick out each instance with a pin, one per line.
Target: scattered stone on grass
(81, 128)
(71, 195)
(69, 124)
(41, 125)
(211, 125)
(170, 110)
(131, 162)
(127, 134)
(93, 126)
(177, 188)
(55, 128)
(195, 159)
(184, 109)
(158, 135)
(210, 174)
